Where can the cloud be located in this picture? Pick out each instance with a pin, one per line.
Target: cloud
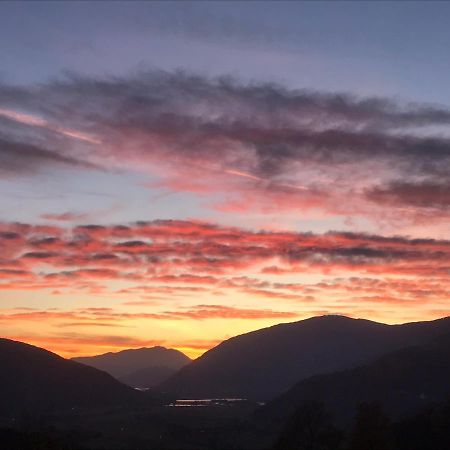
(71, 344)
(66, 217)
(202, 312)
(74, 342)
(195, 243)
(109, 316)
(24, 158)
(423, 194)
(258, 146)
(189, 272)
(172, 259)
(37, 122)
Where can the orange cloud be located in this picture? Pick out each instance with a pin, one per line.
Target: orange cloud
(207, 256)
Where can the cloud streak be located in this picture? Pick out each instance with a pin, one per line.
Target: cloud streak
(261, 147)
(169, 259)
(25, 158)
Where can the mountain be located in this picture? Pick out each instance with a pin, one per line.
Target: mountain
(262, 364)
(403, 382)
(148, 377)
(142, 367)
(33, 379)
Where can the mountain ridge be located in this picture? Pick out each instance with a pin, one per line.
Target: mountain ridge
(402, 382)
(262, 364)
(139, 367)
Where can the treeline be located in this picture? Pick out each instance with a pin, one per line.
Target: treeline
(313, 428)
(12, 439)
(310, 428)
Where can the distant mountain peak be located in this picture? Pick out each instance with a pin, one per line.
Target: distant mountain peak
(125, 363)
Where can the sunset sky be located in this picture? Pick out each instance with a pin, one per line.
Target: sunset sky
(178, 173)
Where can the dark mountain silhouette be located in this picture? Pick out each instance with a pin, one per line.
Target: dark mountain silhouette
(264, 363)
(148, 377)
(35, 380)
(402, 382)
(142, 367)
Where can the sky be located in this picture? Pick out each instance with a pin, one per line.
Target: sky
(176, 173)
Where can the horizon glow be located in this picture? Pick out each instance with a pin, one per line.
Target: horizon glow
(177, 184)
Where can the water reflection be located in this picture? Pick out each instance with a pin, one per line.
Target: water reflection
(197, 403)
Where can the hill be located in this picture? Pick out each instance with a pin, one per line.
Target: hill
(262, 364)
(142, 367)
(35, 380)
(402, 382)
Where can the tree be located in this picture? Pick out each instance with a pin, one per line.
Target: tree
(427, 430)
(310, 428)
(372, 429)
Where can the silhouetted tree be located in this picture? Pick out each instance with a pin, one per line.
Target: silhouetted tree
(372, 429)
(19, 440)
(428, 430)
(310, 428)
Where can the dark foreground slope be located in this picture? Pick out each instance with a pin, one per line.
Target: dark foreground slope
(35, 380)
(402, 382)
(264, 363)
(142, 367)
